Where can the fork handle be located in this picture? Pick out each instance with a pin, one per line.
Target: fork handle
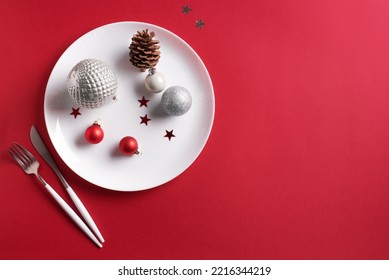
(70, 212)
(80, 206)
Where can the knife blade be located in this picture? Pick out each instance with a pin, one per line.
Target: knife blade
(44, 152)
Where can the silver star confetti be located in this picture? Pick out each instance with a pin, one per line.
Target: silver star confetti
(186, 9)
(200, 23)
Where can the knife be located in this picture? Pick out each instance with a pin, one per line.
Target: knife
(42, 150)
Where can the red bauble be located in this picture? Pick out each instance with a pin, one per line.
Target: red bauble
(94, 134)
(128, 146)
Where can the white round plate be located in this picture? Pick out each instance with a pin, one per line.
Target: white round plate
(162, 158)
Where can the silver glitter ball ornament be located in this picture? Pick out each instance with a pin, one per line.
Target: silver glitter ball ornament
(92, 83)
(176, 101)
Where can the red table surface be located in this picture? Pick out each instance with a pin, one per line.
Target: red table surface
(296, 166)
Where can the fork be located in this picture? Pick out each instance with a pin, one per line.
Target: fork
(30, 165)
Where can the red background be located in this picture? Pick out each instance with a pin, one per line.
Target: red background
(296, 164)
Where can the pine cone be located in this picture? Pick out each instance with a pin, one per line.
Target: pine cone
(144, 50)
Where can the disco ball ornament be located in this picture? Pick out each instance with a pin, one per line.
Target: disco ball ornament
(176, 101)
(92, 83)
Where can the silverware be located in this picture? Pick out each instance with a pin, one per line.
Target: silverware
(30, 165)
(42, 150)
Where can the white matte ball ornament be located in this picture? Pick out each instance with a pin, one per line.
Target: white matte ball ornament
(155, 81)
(91, 83)
(176, 101)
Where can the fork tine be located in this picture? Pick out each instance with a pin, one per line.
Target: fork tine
(16, 157)
(26, 153)
(20, 154)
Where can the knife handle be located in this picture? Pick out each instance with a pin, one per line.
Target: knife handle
(69, 211)
(85, 214)
(80, 206)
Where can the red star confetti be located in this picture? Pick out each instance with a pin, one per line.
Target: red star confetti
(144, 119)
(75, 112)
(143, 102)
(169, 134)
